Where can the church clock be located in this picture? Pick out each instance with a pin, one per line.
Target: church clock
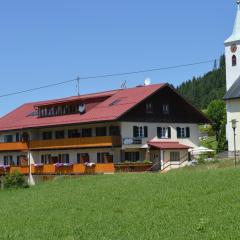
(233, 48)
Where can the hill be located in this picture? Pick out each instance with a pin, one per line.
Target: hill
(201, 91)
(185, 204)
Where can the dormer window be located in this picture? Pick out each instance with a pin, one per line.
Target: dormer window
(234, 60)
(165, 109)
(59, 110)
(149, 108)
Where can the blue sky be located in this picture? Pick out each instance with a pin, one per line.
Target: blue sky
(44, 42)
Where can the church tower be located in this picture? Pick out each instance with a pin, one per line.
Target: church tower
(232, 97)
(232, 52)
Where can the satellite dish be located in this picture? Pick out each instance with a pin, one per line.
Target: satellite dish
(147, 82)
(82, 108)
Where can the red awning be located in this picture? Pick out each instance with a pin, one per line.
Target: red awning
(167, 145)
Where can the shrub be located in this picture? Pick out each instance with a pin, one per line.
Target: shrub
(147, 162)
(201, 159)
(15, 180)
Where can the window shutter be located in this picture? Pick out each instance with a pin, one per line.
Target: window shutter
(98, 158)
(178, 132)
(78, 158)
(169, 132)
(159, 132)
(187, 132)
(135, 131)
(145, 131)
(5, 161)
(59, 158)
(67, 158)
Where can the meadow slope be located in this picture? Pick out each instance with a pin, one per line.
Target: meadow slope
(183, 204)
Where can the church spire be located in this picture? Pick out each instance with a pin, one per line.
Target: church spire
(236, 30)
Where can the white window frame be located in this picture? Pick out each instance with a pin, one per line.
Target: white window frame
(175, 156)
(183, 133)
(165, 133)
(149, 108)
(165, 109)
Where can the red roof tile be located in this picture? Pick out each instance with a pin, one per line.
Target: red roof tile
(111, 108)
(168, 145)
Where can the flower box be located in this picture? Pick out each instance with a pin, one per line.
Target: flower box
(4, 167)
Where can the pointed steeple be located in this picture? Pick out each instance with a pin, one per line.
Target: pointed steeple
(236, 30)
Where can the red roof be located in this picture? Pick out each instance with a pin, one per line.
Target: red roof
(107, 106)
(168, 145)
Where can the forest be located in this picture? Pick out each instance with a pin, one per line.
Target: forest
(201, 91)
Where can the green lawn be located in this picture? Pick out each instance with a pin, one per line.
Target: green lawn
(184, 204)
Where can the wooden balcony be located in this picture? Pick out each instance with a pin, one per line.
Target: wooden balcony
(13, 146)
(51, 169)
(71, 143)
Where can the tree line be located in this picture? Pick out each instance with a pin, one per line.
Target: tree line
(201, 91)
(206, 93)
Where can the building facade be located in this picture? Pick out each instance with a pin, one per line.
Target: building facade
(136, 125)
(232, 97)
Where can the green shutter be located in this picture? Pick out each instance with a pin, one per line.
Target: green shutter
(169, 133)
(145, 131)
(159, 132)
(187, 132)
(178, 132)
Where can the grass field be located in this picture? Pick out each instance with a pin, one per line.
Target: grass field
(184, 204)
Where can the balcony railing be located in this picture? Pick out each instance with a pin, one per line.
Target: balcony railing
(51, 169)
(13, 146)
(88, 142)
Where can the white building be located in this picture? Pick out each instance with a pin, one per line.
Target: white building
(232, 97)
(137, 125)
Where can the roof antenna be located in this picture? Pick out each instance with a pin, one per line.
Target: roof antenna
(78, 86)
(124, 85)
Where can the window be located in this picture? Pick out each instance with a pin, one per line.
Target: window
(60, 134)
(115, 102)
(63, 158)
(86, 132)
(140, 132)
(58, 110)
(183, 132)
(234, 60)
(46, 135)
(75, 133)
(101, 131)
(46, 159)
(174, 156)
(164, 132)
(8, 138)
(18, 137)
(82, 158)
(132, 156)
(165, 109)
(114, 131)
(8, 160)
(22, 160)
(104, 157)
(149, 108)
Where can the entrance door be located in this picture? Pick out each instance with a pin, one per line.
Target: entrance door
(156, 160)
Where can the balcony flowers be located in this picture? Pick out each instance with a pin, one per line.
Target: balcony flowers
(59, 165)
(89, 164)
(68, 164)
(4, 167)
(38, 165)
